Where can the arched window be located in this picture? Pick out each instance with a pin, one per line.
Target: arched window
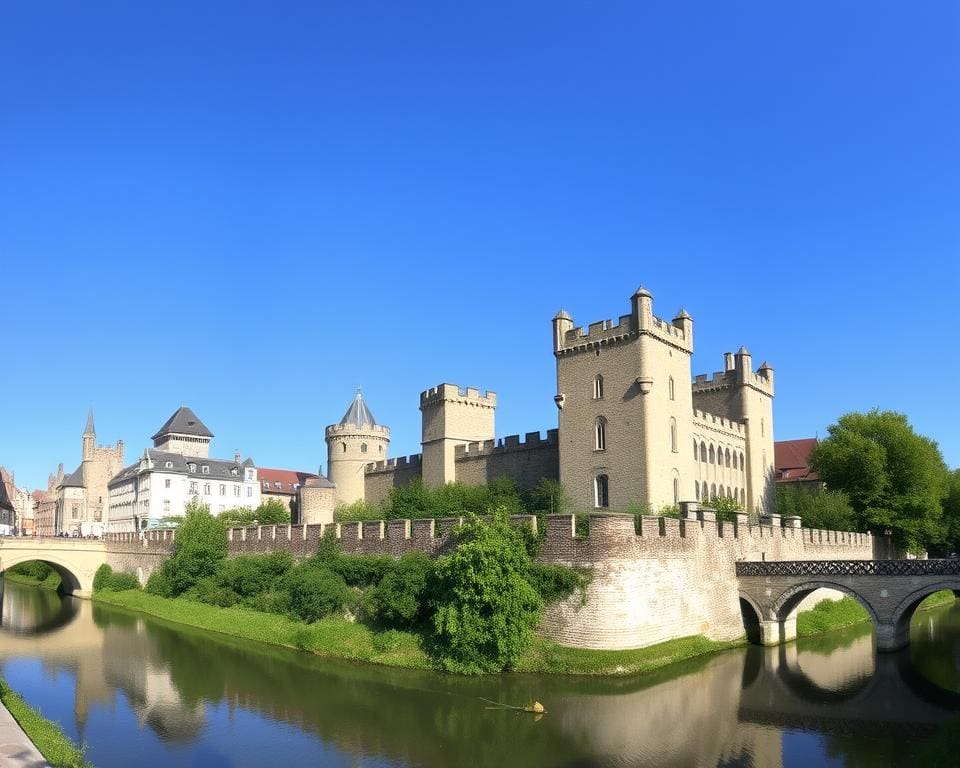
(762, 428)
(673, 434)
(727, 457)
(696, 487)
(600, 436)
(730, 494)
(696, 450)
(713, 455)
(734, 459)
(743, 465)
(703, 452)
(670, 388)
(713, 490)
(676, 490)
(601, 489)
(743, 497)
(598, 387)
(381, 449)
(706, 492)
(363, 447)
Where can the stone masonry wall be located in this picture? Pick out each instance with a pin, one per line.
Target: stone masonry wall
(674, 578)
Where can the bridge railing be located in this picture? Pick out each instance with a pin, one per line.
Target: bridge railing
(850, 568)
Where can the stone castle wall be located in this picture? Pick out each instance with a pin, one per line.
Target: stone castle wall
(675, 578)
(524, 461)
(381, 476)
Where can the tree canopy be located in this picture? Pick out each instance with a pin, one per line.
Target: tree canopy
(894, 478)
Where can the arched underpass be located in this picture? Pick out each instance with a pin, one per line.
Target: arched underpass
(75, 560)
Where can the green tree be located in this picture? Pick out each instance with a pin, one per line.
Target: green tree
(829, 510)
(951, 512)
(894, 478)
(484, 608)
(198, 551)
(549, 497)
(725, 507)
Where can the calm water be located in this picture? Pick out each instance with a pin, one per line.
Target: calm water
(142, 693)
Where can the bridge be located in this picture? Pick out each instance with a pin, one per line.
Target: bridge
(75, 560)
(889, 590)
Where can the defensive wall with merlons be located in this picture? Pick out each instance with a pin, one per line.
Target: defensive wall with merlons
(651, 578)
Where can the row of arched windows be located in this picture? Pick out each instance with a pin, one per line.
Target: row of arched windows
(719, 456)
(707, 492)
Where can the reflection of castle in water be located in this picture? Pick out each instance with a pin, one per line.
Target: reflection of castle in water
(723, 710)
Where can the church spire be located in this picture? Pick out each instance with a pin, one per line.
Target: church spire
(89, 430)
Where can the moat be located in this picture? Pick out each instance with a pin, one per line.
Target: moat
(142, 692)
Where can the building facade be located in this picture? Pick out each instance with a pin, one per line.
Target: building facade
(637, 429)
(176, 471)
(284, 485)
(18, 519)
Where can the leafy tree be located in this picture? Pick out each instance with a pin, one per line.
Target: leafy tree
(951, 511)
(484, 608)
(316, 593)
(829, 510)
(894, 478)
(399, 600)
(198, 551)
(725, 507)
(358, 510)
(549, 497)
(270, 512)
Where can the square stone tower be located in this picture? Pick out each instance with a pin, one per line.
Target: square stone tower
(623, 392)
(452, 417)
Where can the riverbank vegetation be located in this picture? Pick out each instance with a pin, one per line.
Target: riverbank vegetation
(33, 573)
(45, 734)
(831, 615)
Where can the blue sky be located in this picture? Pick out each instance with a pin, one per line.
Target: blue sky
(252, 208)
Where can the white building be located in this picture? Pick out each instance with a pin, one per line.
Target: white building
(176, 471)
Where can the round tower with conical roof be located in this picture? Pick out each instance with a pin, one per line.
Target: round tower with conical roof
(352, 443)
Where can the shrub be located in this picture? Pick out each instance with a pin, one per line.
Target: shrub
(399, 599)
(107, 580)
(484, 608)
(385, 642)
(358, 510)
(34, 569)
(554, 582)
(160, 583)
(356, 570)
(198, 551)
(249, 575)
(211, 591)
(317, 592)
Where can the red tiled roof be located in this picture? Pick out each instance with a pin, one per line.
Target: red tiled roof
(289, 480)
(792, 460)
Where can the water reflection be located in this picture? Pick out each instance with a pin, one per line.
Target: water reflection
(147, 693)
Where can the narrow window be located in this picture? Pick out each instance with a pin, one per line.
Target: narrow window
(205, 469)
(706, 492)
(601, 491)
(598, 387)
(696, 450)
(343, 447)
(734, 459)
(713, 455)
(676, 490)
(743, 465)
(600, 438)
(727, 457)
(673, 434)
(363, 447)
(703, 452)
(713, 491)
(743, 497)
(761, 428)
(223, 489)
(249, 491)
(206, 489)
(696, 487)
(166, 483)
(670, 388)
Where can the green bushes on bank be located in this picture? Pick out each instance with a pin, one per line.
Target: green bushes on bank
(34, 573)
(106, 579)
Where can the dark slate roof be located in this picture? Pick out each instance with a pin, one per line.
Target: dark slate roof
(358, 415)
(183, 422)
(74, 479)
(217, 469)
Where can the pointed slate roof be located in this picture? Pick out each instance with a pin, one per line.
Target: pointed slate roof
(89, 429)
(183, 422)
(358, 415)
(75, 479)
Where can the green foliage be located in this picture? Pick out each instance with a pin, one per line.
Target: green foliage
(554, 582)
(399, 599)
(270, 512)
(951, 512)
(894, 478)
(828, 615)
(669, 511)
(106, 579)
(34, 569)
(46, 735)
(484, 608)
(358, 510)
(828, 510)
(249, 575)
(725, 508)
(316, 593)
(549, 497)
(453, 500)
(198, 551)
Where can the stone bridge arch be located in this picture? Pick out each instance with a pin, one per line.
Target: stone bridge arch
(75, 560)
(71, 582)
(903, 613)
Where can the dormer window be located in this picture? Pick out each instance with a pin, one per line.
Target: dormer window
(192, 467)
(205, 469)
(235, 471)
(168, 464)
(278, 484)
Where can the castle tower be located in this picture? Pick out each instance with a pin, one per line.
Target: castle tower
(352, 443)
(452, 417)
(89, 437)
(755, 401)
(185, 434)
(625, 406)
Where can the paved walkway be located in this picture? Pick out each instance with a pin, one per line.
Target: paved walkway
(16, 750)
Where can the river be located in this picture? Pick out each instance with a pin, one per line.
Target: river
(141, 692)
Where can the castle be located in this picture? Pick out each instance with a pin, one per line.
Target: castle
(636, 428)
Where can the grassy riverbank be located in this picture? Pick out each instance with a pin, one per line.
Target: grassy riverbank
(45, 577)
(338, 638)
(830, 615)
(46, 735)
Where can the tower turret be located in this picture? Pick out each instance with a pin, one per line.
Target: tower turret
(352, 443)
(89, 437)
(451, 417)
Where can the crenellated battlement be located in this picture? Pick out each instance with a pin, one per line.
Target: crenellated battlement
(392, 465)
(435, 396)
(530, 441)
(343, 430)
(702, 418)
